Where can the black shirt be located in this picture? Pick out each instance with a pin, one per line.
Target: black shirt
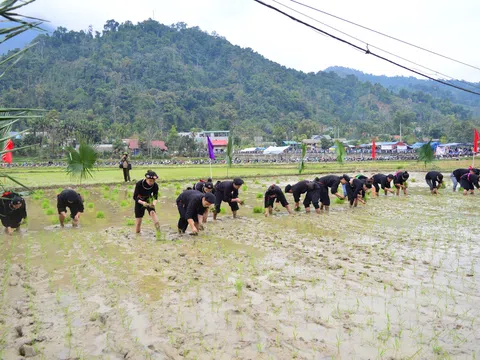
(143, 191)
(459, 172)
(398, 178)
(191, 200)
(332, 181)
(10, 214)
(382, 180)
(471, 178)
(357, 187)
(434, 176)
(226, 190)
(301, 188)
(70, 198)
(275, 193)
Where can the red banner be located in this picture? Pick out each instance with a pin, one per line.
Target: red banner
(7, 157)
(374, 149)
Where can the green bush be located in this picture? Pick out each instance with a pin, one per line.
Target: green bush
(258, 210)
(259, 195)
(100, 215)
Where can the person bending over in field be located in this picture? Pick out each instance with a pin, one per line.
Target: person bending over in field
(434, 180)
(297, 190)
(399, 180)
(469, 182)
(227, 191)
(13, 211)
(332, 182)
(146, 197)
(383, 181)
(356, 191)
(457, 174)
(69, 199)
(274, 193)
(192, 206)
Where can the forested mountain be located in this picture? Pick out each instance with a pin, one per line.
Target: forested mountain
(23, 39)
(136, 79)
(399, 83)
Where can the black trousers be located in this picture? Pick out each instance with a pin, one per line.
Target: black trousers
(126, 174)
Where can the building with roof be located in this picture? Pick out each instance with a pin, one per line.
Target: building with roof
(219, 139)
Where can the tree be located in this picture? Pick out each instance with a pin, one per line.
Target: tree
(426, 153)
(81, 163)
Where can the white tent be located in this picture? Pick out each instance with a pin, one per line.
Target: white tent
(275, 150)
(248, 150)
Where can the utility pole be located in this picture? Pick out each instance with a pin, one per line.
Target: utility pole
(400, 130)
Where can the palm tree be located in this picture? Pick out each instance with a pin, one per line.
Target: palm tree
(19, 24)
(81, 163)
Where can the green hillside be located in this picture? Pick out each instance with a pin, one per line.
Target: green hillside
(131, 79)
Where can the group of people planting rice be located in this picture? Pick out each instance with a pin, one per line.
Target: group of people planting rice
(194, 203)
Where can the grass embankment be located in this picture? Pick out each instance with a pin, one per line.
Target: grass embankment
(50, 177)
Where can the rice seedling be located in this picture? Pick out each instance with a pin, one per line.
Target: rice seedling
(259, 195)
(339, 201)
(238, 285)
(100, 215)
(45, 204)
(49, 211)
(124, 203)
(258, 210)
(90, 205)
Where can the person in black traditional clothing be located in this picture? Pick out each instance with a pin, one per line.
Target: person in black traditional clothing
(469, 182)
(399, 180)
(227, 191)
(192, 206)
(434, 180)
(356, 191)
(69, 198)
(332, 182)
(13, 211)
(274, 193)
(298, 189)
(146, 197)
(383, 181)
(457, 174)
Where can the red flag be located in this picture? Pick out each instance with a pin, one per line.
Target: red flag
(7, 157)
(476, 138)
(374, 149)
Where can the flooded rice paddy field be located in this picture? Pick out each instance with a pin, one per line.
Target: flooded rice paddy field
(395, 279)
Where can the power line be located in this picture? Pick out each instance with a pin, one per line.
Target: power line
(366, 51)
(376, 47)
(386, 35)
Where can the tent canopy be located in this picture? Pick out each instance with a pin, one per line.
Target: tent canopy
(275, 150)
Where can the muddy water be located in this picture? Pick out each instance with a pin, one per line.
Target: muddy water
(397, 278)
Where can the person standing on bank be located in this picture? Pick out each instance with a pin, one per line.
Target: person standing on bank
(227, 191)
(126, 167)
(192, 206)
(12, 211)
(399, 180)
(274, 193)
(434, 180)
(74, 201)
(146, 197)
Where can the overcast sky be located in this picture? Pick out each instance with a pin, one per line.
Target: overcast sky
(444, 26)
